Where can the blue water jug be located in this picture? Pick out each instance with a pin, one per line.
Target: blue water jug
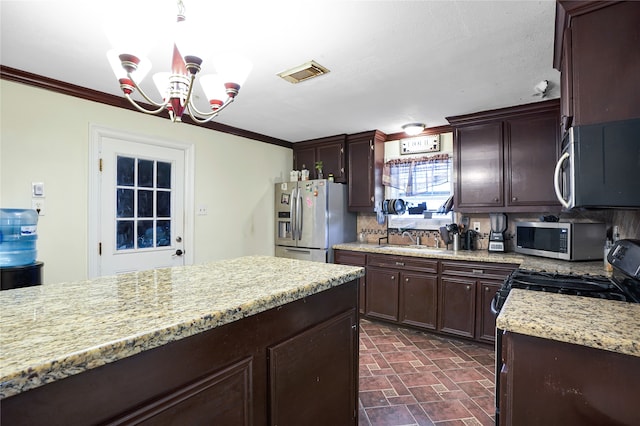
(18, 236)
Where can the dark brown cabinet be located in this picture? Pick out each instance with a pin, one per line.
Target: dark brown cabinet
(418, 300)
(596, 51)
(546, 382)
(457, 308)
(354, 258)
(466, 292)
(382, 294)
(330, 150)
(505, 159)
(365, 153)
(402, 289)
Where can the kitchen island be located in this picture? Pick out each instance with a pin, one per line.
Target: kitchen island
(569, 360)
(255, 340)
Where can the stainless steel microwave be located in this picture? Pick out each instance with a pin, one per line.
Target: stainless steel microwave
(599, 165)
(561, 240)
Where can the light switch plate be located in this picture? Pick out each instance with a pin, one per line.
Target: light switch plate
(37, 189)
(476, 226)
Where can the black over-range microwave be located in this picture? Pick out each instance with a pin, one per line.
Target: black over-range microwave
(599, 166)
(561, 240)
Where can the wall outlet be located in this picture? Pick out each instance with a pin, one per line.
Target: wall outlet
(202, 210)
(38, 205)
(476, 226)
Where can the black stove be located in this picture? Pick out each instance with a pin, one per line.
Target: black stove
(618, 287)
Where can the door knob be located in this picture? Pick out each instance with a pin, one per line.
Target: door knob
(179, 252)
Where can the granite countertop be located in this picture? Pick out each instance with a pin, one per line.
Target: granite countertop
(533, 263)
(596, 323)
(53, 331)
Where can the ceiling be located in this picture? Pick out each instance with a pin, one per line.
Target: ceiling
(391, 62)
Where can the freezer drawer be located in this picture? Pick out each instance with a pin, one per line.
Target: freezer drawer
(314, 255)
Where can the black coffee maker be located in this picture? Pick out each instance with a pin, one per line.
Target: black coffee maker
(469, 239)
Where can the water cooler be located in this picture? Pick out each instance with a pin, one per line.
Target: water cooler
(18, 236)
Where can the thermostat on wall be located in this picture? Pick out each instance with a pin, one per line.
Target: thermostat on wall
(429, 143)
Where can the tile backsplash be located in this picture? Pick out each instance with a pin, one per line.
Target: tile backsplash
(628, 222)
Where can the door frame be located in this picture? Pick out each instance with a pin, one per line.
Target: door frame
(94, 219)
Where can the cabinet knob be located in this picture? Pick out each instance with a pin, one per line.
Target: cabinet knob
(486, 289)
(372, 199)
(406, 280)
(468, 287)
(496, 200)
(393, 277)
(514, 199)
(399, 263)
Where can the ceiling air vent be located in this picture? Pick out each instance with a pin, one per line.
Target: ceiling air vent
(303, 72)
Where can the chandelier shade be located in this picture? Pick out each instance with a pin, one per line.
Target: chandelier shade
(176, 86)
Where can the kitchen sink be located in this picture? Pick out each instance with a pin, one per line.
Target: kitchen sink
(412, 247)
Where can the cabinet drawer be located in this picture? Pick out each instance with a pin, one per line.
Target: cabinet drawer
(495, 271)
(405, 263)
(345, 257)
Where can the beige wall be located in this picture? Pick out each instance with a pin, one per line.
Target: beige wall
(234, 176)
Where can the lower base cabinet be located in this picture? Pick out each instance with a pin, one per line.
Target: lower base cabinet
(292, 365)
(382, 294)
(546, 382)
(457, 309)
(418, 300)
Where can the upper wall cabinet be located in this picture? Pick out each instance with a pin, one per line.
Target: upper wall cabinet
(365, 153)
(330, 150)
(505, 159)
(596, 51)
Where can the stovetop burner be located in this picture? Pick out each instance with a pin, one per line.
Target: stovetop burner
(621, 289)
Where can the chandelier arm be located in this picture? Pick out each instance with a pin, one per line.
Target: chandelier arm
(139, 108)
(144, 95)
(206, 116)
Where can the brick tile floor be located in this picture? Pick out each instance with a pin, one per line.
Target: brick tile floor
(408, 377)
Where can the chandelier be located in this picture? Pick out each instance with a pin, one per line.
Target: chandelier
(177, 86)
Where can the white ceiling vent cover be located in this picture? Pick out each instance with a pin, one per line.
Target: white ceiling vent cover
(303, 72)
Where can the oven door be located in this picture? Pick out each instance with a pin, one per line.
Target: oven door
(563, 181)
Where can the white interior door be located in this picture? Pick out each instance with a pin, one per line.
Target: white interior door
(142, 208)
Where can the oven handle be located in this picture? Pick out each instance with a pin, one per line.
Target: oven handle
(494, 308)
(556, 180)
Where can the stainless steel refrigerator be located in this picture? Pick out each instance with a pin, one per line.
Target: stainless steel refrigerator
(311, 216)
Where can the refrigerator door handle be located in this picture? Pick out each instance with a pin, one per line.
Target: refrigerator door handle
(299, 214)
(292, 213)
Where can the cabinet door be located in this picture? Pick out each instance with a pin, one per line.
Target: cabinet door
(332, 157)
(532, 151)
(418, 299)
(361, 182)
(457, 306)
(479, 166)
(382, 294)
(604, 48)
(304, 158)
(313, 366)
(486, 320)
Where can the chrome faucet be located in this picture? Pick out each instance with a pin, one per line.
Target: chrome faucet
(407, 234)
(416, 241)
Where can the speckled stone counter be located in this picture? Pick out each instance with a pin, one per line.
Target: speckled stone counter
(53, 331)
(526, 262)
(596, 323)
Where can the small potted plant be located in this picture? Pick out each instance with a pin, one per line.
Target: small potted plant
(319, 169)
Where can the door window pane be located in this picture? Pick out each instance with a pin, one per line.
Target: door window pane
(163, 233)
(145, 203)
(163, 204)
(145, 173)
(145, 233)
(125, 171)
(124, 235)
(163, 176)
(124, 202)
